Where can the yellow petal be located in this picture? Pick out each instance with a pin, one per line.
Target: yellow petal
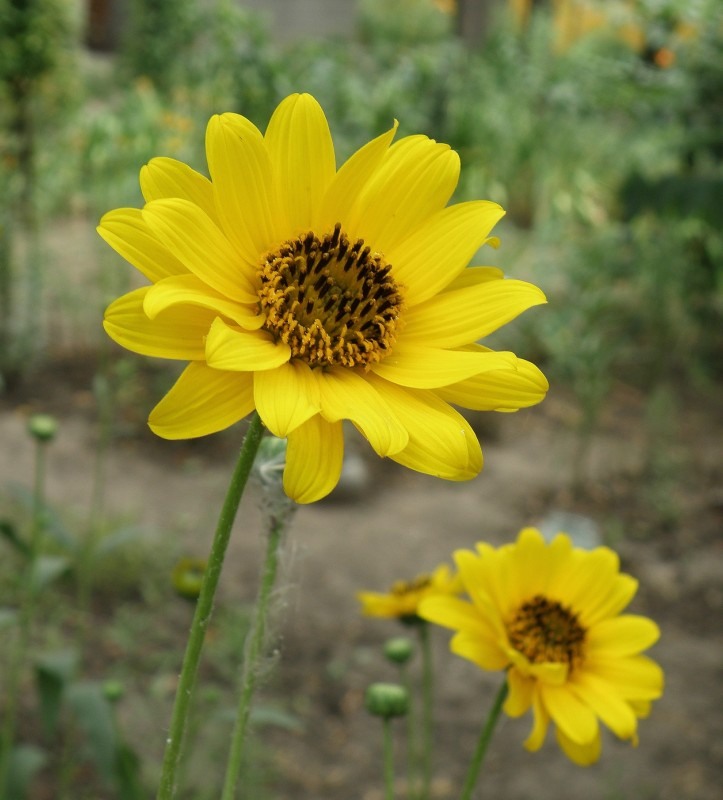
(302, 157)
(347, 395)
(581, 754)
(501, 390)
(635, 677)
(243, 351)
(349, 182)
(521, 692)
(202, 401)
(620, 592)
(541, 719)
(415, 180)
(463, 316)
(165, 177)
(243, 182)
(198, 243)
(474, 276)
(418, 366)
(435, 255)
(451, 612)
(176, 333)
(188, 289)
(622, 636)
(314, 459)
(441, 441)
(286, 397)
(603, 698)
(127, 233)
(484, 653)
(570, 714)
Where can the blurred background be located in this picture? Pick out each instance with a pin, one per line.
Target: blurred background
(598, 125)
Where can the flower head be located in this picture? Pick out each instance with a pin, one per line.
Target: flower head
(315, 295)
(550, 615)
(403, 598)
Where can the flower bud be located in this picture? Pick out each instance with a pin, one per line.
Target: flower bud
(187, 577)
(399, 649)
(386, 700)
(113, 690)
(42, 427)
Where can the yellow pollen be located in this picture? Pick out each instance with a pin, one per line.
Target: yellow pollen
(331, 301)
(545, 631)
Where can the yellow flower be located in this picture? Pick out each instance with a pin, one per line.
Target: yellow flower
(550, 615)
(316, 295)
(404, 597)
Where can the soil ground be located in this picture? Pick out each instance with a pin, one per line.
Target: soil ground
(390, 523)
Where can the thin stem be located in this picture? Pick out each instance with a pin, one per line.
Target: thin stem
(484, 740)
(204, 609)
(427, 709)
(26, 611)
(256, 638)
(388, 759)
(412, 760)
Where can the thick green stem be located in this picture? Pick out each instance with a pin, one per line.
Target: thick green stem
(412, 755)
(484, 740)
(427, 709)
(256, 638)
(204, 608)
(388, 759)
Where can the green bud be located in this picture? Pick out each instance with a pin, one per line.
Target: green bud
(113, 690)
(386, 700)
(42, 427)
(399, 650)
(187, 577)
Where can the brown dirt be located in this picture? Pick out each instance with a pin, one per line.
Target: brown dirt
(398, 524)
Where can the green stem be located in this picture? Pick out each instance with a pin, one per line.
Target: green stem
(412, 761)
(204, 609)
(26, 611)
(256, 639)
(484, 740)
(388, 759)
(427, 709)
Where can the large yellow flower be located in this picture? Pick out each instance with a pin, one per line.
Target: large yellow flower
(550, 615)
(316, 295)
(403, 598)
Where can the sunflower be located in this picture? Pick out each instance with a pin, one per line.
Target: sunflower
(403, 598)
(316, 295)
(550, 615)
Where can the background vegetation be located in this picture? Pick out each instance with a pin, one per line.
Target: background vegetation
(597, 125)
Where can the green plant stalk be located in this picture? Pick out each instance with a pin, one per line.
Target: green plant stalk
(256, 638)
(412, 755)
(388, 759)
(427, 709)
(26, 611)
(484, 740)
(204, 609)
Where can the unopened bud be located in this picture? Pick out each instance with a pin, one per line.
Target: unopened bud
(187, 577)
(386, 700)
(399, 649)
(42, 427)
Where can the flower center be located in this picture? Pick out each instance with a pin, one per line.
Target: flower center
(544, 630)
(418, 584)
(331, 301)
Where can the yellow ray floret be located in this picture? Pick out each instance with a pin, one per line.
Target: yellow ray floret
(316, 295)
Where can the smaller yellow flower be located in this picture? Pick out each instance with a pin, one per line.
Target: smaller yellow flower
(549, 614)
(403, 598)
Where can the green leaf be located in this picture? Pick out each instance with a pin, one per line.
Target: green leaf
(128, 771)
(53, 671)
(26, 760)
(93, 714)
(48, 569)
(7, 530)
